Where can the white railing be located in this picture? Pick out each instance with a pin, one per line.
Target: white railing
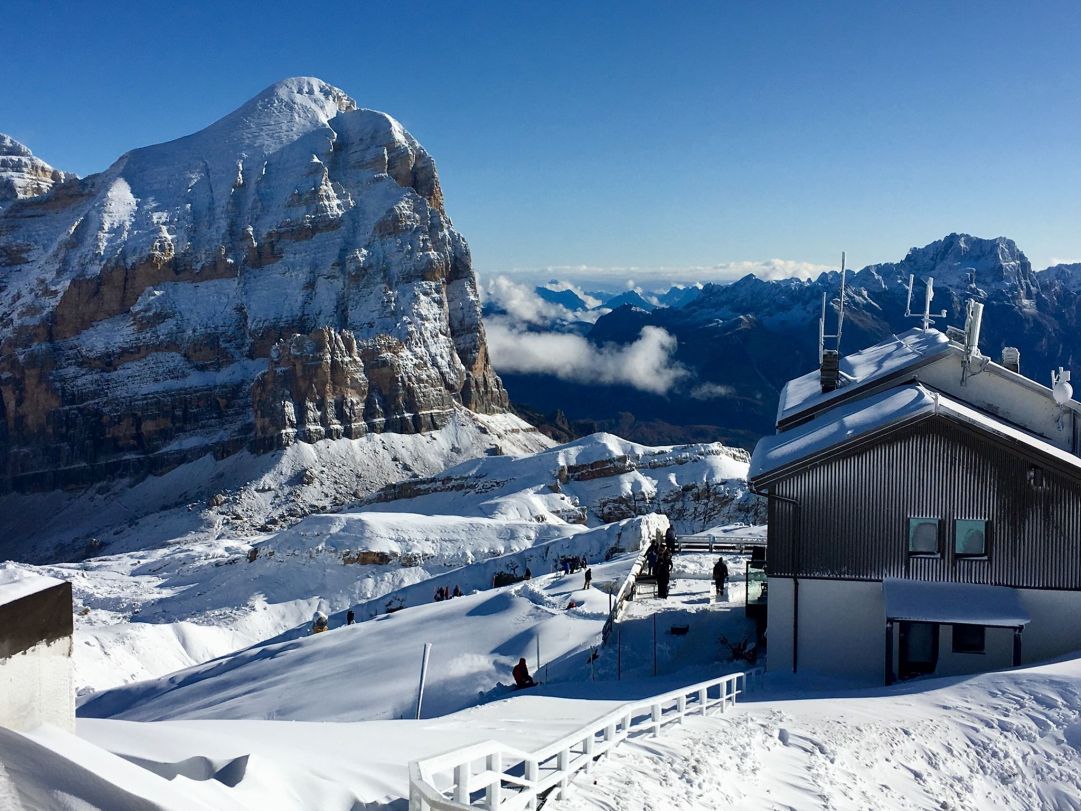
(492, 776)
(624, 594)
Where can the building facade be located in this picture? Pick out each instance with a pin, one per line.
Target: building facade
(918, 528)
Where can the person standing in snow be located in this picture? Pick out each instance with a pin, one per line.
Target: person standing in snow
(664, 572)
(319, 622)
(589, 577)
(528, 574)
(457, 591)
(521, 675)
(350, 617)
(720, 576)
(651, 558)
(670, 539)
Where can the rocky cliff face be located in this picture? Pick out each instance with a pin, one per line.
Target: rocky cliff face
(23, 175)
(288, 273)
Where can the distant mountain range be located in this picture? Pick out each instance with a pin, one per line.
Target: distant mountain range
(740, 342)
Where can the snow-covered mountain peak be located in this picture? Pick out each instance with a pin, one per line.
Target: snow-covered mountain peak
(299, 221)
(22, 174)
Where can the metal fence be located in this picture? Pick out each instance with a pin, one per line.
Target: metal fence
(492, 776)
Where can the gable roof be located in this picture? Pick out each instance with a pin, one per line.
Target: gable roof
(893, 357)
(856, 421)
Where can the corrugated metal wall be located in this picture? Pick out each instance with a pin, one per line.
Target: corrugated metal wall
(852, 518)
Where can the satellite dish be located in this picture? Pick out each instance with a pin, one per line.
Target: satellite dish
(1061, 389)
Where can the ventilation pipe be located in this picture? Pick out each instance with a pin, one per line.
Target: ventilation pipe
(1011, 358)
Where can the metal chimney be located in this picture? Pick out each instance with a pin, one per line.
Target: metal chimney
(1011, 358)
(830, 369)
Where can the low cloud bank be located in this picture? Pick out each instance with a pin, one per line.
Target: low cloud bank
(646, 364)
(607, 278)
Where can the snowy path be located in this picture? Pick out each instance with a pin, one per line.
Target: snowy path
(998, 741)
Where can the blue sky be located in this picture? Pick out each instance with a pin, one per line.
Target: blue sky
(624, 134)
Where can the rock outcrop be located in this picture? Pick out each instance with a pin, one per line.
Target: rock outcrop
(287, 274)
(22, 175)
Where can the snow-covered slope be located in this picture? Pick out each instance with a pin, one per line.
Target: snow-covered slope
(367, 671)
(288, 273)
(596, 479)
(1009, 741)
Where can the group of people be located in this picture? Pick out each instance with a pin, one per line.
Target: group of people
(572, 563)
(444, 593)
(659, 564)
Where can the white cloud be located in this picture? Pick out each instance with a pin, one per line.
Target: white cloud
(711, 391)
(521, 302)
(645, 364)
(611, 278)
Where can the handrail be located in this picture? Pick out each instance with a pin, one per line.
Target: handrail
(623, 594)
(491, 775)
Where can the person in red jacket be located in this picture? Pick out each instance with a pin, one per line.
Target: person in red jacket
(521, 675)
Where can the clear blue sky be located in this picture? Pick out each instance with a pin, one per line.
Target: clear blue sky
(619, 134)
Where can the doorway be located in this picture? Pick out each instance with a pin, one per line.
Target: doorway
(919, 649)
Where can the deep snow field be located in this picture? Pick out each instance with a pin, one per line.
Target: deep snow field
(181, 585)
(1007, 740)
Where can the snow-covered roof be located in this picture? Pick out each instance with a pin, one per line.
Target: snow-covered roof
(837, 426)
(850, 421)
(964, 603)
(16, 583)
(875, 363)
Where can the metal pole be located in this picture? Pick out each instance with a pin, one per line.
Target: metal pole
(538, 652)
(619, 653)
(592, 666)
(654, 644)
(423, 675)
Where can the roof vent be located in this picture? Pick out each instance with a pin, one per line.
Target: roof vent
(831, 369)
(1011, 358)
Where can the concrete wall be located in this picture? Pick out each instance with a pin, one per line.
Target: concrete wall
(36, 687)
(841, 628)
(842, 631)
(998, 647)
(1055, 628)
(779, 625)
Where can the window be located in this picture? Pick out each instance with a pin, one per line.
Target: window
(970, 538)
(969, 639)
(923, 536)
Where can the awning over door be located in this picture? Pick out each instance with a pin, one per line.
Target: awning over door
(962, 603)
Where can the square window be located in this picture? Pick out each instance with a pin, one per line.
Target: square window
(969, 639)
(923, 536)
(970, 538)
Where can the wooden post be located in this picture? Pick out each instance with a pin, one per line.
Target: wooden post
(564, 767)
(681, 707)
(589, 752)
(655, 712)
(461, 783)
(532, 773)
(494, 792)
(703, 699)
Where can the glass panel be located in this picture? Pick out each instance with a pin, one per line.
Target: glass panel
(923, 536)
(921, 643)
(970, 537)
(968, 638)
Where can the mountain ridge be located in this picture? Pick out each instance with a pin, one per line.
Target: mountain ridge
(150, 313)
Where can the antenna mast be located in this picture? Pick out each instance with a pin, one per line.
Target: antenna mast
(926, 315)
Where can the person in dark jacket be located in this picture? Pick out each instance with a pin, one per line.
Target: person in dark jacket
(589, 577)
(720, 575)
(350, 617)
(457, 591)
(521, 675)
(528, 574)
(651, 559)
(670, 539)
(663, 572)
